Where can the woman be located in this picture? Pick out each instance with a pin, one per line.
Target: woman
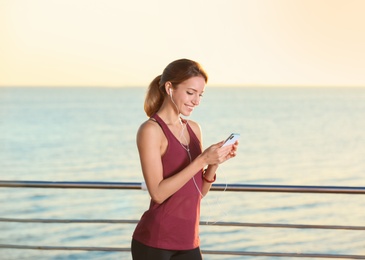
(176, 171)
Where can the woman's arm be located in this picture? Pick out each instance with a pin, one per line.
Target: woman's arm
(210, 171)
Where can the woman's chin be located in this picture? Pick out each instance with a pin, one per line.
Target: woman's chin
(186, 113)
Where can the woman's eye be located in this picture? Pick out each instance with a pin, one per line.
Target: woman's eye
(192, 93)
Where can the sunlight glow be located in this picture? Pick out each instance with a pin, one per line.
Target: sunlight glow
(127, 43)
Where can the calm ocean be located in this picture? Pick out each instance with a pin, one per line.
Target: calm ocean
(289, 136)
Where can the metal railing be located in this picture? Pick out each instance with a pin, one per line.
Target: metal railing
(215, 187)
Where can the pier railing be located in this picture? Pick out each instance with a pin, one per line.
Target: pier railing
(215, 187)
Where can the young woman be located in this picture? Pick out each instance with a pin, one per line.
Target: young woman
(176, 171)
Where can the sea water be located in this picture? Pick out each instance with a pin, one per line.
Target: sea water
(289, 136)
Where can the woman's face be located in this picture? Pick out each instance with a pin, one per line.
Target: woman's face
(187, 95)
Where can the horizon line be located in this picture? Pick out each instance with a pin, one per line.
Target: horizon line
(208, 85)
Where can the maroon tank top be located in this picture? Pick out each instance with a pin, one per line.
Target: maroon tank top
(174, 224)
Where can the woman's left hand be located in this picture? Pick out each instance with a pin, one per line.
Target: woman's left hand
(233, 152)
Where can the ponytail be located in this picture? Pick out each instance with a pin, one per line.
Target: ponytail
(154, 97)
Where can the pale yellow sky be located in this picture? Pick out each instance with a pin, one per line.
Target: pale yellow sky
(127, 43)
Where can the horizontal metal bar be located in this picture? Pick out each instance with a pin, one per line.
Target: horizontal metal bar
(271, 225)
(67, 248)
(60, 221)
(215, 187)
(202, 223)
(308, 255)
(210, 252)
(71, 185)
(289, 188)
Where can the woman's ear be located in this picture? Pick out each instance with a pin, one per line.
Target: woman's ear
(168, 87)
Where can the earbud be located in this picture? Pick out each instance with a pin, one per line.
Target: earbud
(172, 100)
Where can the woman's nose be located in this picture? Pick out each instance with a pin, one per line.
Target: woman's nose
(196, 101)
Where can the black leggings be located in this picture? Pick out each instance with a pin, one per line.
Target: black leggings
(143, 252)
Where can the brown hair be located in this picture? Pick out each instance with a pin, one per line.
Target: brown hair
(176, 72)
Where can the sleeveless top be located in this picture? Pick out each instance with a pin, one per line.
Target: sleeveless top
(174, 224)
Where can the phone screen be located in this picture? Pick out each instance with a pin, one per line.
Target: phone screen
(231, 139)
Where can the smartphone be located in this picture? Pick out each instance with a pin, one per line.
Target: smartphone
(231, 139)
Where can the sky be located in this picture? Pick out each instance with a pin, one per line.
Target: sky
(116, 43)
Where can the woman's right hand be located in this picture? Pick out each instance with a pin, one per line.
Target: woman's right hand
(216, 154)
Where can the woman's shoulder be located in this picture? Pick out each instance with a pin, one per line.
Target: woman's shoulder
(195, 127)
(149, 127)
(149, 137)
(193, 124)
